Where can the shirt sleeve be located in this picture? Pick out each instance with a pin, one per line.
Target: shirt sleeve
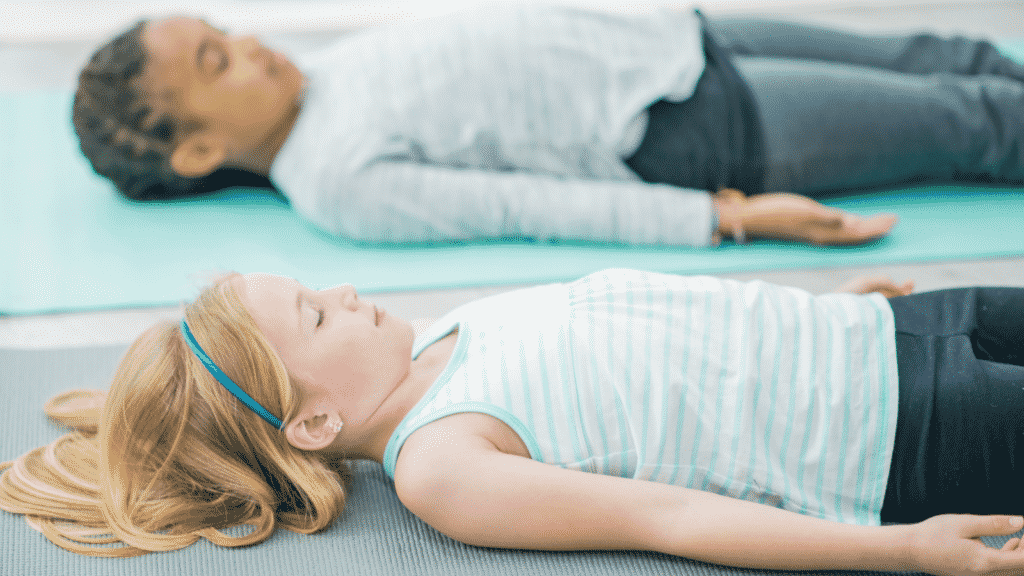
(410, 202)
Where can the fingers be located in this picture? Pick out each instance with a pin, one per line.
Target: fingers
(1011, 545)
(882, 284)
(835, 227)
(794, 217)
(890, 289)
(731, 195)
(1007, 560)
(854, 229)
(865, 284)
(995, 525)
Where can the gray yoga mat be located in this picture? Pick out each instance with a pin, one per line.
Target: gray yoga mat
(375, 536)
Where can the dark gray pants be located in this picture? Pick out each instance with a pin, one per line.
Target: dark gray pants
(842, 111)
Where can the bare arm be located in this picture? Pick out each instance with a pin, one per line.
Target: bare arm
(483, 497)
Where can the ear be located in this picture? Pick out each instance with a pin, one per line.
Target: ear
(198, 155)
(313, 431)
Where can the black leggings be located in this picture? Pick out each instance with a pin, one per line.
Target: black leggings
(960, 430)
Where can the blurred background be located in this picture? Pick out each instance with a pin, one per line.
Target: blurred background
(43, 43)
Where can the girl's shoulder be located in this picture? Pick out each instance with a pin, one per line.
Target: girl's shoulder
(432, 448)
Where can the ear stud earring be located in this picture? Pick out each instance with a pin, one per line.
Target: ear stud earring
(337, 427)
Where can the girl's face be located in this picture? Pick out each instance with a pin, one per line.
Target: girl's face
(236, 89)
(347, 355)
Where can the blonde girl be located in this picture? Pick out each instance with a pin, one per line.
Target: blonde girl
(737, 423)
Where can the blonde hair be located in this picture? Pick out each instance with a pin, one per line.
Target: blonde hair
(172, 457)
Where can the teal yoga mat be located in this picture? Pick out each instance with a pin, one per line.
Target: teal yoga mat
(68, 242)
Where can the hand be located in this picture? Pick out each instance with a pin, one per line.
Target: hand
(881, 284)
(949, 545)
(793, 217)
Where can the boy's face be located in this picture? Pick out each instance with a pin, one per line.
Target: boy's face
(231, 86)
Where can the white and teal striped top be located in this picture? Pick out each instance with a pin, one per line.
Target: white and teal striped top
(751, 390)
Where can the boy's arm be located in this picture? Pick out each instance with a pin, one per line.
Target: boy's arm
(406, 201)
(470, 491)
(409, 202)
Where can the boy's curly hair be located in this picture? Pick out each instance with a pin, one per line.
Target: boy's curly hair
(122, 135)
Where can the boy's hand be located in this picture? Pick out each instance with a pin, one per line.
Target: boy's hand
(881, 284)
(787, 216)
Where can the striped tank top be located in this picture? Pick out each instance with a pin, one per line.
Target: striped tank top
(746, 389)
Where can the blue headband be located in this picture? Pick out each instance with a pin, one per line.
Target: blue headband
(226, 382)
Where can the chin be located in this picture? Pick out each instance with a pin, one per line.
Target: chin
(409, 331)
(408, 337)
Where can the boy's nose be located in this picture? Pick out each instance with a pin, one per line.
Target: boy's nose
(248, 44)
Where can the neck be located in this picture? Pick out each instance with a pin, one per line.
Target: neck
(263, 158)
(423, 372)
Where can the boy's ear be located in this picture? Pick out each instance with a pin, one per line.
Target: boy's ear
(312, 432)
(199, 155)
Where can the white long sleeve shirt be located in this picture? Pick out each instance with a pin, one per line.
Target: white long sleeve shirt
(506, 122)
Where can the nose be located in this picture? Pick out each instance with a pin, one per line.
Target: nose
(247, 43)
(247, 46)
(347, 295)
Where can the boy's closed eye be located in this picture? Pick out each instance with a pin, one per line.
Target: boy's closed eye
(212, 54)
(211, 57)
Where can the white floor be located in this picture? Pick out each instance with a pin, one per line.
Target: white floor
(43, 42)
(47, 20)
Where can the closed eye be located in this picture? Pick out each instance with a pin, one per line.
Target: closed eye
(221, 63)
(217, 40)
(212, 56)
(319, 318)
